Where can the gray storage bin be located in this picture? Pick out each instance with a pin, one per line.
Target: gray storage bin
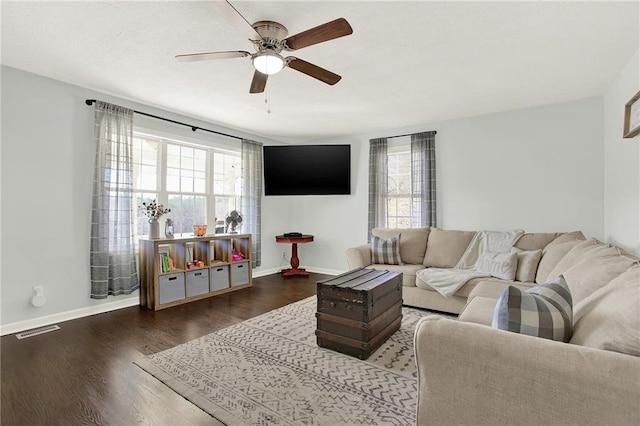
(197, 282)
(171, 287)
(219, 277)
(240, 273)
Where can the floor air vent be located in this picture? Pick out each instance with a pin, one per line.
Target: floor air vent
(37, 331)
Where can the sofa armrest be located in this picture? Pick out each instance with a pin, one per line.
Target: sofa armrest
(473, 374)
(359, 257)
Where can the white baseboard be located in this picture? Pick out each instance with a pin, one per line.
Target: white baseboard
(265, 272)
(19, 326)
(325, 271)
(312, 269)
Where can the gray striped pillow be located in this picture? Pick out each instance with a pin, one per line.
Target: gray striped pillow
(385, 252)
(543, 311)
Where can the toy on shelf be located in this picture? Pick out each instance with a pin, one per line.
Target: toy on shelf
(236, 256)
(195, 264)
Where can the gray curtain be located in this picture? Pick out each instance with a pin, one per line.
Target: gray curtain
(112, 257)
(423, 179)
(251, 199)
(378, 178)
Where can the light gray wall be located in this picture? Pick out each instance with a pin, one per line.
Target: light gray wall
(622, 163)
(539, 169)
(47, 171)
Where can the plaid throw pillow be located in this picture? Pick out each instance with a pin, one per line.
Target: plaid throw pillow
(385, 251)
(543, 311)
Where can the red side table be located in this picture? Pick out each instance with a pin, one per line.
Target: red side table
(295, 262)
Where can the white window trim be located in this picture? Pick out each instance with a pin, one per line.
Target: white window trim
(163, 194)
(399, 145)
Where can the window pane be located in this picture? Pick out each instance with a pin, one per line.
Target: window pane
(173, 179)
(184, 163)
(226, 174)
(392, 185)
(144, 162)
(140, 221)
(399, 189)
(392, 209)
(186, 211)
(199, 185)
(404, 163)
(224, 206)
(186, 184)
(404, 184)
(173, 161)
(403, 222)
(147, 178)
(149, 150)
(404, 207)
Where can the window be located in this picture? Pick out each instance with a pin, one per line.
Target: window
(399, 187)
(226, 184)
(402, 177)
(199, 184)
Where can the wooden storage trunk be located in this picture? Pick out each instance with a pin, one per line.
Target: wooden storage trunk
(358, 311)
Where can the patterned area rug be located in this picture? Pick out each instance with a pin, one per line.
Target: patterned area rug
(269, 371)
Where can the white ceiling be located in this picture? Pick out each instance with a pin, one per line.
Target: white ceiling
(406, 64)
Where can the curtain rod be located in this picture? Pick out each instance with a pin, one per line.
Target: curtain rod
(193, 128)
(409, 134)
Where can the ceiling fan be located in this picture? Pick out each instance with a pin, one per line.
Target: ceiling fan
(269, 39)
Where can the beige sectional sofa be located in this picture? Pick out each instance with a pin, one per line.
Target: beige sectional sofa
(470, 372)
(422, 248)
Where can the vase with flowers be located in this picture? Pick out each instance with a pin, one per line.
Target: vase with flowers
(153, 211)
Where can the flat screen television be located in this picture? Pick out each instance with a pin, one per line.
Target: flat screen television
(307, 169)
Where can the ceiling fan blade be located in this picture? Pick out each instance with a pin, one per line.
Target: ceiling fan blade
(311, 70)
(241, 24)
(204, 56)
(325, 32)
(258, 83)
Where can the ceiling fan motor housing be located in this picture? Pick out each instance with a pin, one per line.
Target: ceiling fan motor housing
(272, 34)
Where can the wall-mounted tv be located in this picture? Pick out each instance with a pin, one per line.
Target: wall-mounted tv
(307, 169)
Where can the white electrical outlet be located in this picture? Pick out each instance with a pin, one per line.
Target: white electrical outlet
(38, 298)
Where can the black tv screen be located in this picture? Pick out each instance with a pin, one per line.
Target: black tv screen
(307, 169)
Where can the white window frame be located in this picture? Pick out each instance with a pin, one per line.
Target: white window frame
(162, 194)
(396, 146)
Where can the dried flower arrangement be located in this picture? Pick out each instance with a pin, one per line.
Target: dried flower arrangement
(153, 210)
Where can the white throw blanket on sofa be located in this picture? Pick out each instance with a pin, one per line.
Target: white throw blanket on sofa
(448, 281)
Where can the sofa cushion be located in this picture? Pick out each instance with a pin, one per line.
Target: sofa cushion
(499, 265)
(386, 250)
(610, 317)
(493, 289)
(551, 255)
(446, 247)
(565, 237)
(413, 242)
(590, 274)
(478, 310)
(528, 261)
(535, 241)
(408, 272)
(588, 249)
(542, 311)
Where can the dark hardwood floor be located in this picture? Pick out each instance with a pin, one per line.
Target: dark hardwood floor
(84, 373)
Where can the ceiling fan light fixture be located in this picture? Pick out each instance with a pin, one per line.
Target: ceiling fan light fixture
(268, 63)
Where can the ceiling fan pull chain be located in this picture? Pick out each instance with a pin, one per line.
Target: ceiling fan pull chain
(267, 101)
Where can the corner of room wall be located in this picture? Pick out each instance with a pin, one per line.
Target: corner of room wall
(621, 163)
(47, 170)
